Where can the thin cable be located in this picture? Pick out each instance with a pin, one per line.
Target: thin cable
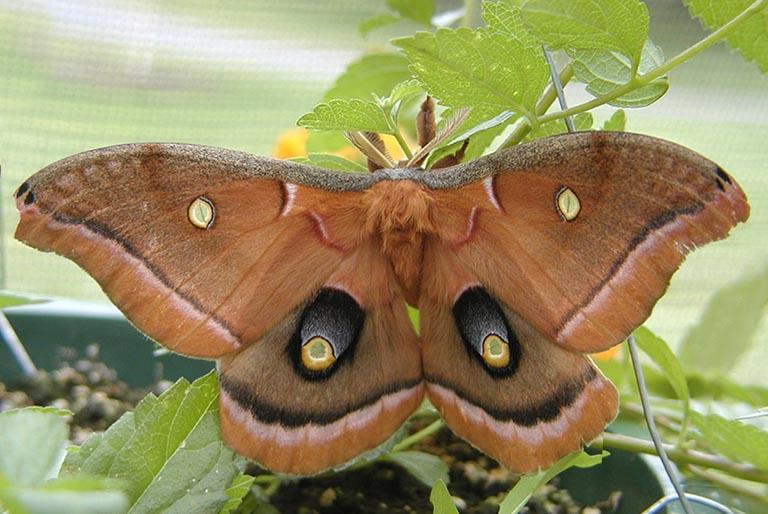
(17, 349)
(558, 87)
(681, 496)
(648, 413)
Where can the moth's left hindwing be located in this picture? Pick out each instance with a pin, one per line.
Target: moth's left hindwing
(334, 378)
(496, 380)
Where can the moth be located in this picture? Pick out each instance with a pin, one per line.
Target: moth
(296, 279)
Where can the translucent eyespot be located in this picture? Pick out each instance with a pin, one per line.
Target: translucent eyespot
(201, 212)
(495, 351)
(317, 354)
(568, 204)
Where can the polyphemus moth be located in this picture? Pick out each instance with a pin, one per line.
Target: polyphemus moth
(296, 279)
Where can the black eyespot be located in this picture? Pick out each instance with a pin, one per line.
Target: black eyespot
(30, 198)
(723, 175)
(332, 322)
(22, 189)
(485, 332)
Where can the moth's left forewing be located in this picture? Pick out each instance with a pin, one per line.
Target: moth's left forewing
(581, 233)
(203, 249)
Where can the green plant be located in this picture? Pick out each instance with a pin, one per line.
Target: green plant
(167, 453)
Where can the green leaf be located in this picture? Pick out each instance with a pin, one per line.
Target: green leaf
(420, 11)
(403, 90)
(604, 71)
(425, 467)
(750, 39)
(346, 115)
(32, 442)
(476, 68)
(616, 25)
(65, 496)
(617, 121)
(441, 499)
(377, 21)
(14, 300)
(507, 21)
(373, 74)
(662, 356)
(482, 131)
(168, 451)
(726, 329)
(734, 439)
(582, 121)
(236, 492)
(518, 497)
(724, 389)
(330, 161)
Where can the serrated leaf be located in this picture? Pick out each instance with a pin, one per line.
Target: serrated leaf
(662, 356)
(604, 71)
(236, 492)
(32, 442)
(425, 467)
(373, 74)
(480, 128)
(725, 331)
(168, 451)
(735, 439)
(506, 20)
(403, 90)
(518, 497)
(347, 115)
(582, 121)
(441, 500)
(14, 300)
(476, 68)
(377, 21)
(420, 11)
(330, 161)
(615, 25)
(750, 39)
(617, 121)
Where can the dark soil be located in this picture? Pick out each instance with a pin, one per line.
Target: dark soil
(97, 398)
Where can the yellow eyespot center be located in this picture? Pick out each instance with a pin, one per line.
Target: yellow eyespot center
(201, 212)
(495, 351)
(317, 354)
(568, 204)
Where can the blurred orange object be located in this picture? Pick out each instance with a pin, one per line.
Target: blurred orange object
(292, 143)
(609, 354)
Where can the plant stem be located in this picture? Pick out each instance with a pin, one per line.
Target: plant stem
(403, 144)
(542, 106)
(725, 483)
(471, 11)
(418, 436)
(633, 444)
(646, 78)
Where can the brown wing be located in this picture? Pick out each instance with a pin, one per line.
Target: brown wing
(580, 234)
(261, 245)
(497, 381)
(280, 410)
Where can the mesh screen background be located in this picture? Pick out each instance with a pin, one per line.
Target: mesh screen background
(85, 74)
